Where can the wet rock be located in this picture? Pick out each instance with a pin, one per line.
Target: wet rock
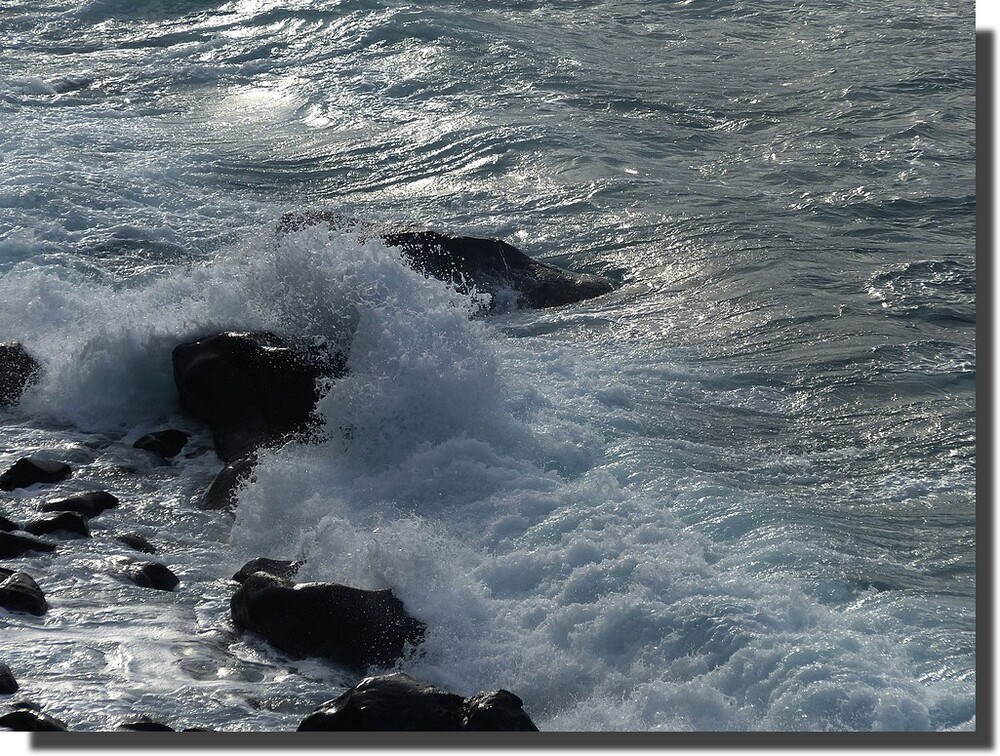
(7, 525)
(279, 568)
(222, 493)
(166, 443)
(348, 626)
(397, 702)
(251, 388)
(89, 504)
(8, 684)
(28, 470)
(144, 724)
(18, 370)
(151, 575)
(64, 522)
(136, 542)
(487, 265)
(13, 545)
(27, 717)
(20, 593)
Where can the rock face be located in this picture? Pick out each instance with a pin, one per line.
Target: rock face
(15, 544)
(152, 575)
(64, 522)
(20, 593)
(89, 504)
(488, 265)
(397, 702)
(351, 627)
(166, 443)
(8, 684)
(222, 493)
(27, 471)
(250, 388)
(17, 370)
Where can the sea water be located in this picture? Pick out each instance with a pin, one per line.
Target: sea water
(737, 493)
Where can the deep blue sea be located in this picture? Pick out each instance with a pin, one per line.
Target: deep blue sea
(737, 493)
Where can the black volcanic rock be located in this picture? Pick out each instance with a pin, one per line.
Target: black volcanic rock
(89, 504)
(222, 493)
(28, 470)
(136, 542)
(468, 262)
(279, 568)
(20, 593)
(64, 522)
(8, 684)
(27, 718)
(17, 370)
(396, 702)
(16, 544)
(251, 388)
(151, 575)
(166, 443)
(348, 626)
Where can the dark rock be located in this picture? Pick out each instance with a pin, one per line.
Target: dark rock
(8, 684)
(166, 443)
(20, 593)
(136, 542)
(152, 575)
(397, 702)
(279, 568)
(251, 388)
(27, 718)
(66, 522)
(488, 265)
(144, 724)
(351, 627)
(27, 471)
(89, 504)
(18, 369)
(222, 493)
(7, 525)
(15, 544)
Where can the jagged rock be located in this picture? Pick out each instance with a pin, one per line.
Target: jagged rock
(27, 718)
(488, 265)
(20, 593)
(7, 525)
(222, 493)
(144, 724)
(251, 388)
(351, 627)
(279, 568)
(18, 369)
(89, 504)
(28, 470)
(166, 443)
(65, 522)
(8, 684)
(152, 575)
(15, 544)
(136, 542)
(397, 702)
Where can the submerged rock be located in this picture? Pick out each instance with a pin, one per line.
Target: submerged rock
(222, 493)
(8, 684)
(7, 525)
(279, 568)
(16, 544)
(348, 626)
(20, 593)
(28, 470)
(397, 702)
(28, 718)
(89, 504)
(251, 388)
(18, 370)
(143, 724)
(166, 443)
(152, 575)
(64, 522)
(136, 542)
(468, 262)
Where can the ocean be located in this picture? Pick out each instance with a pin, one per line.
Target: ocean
(735, 494)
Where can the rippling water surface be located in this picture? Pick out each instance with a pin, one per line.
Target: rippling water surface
(735, 494)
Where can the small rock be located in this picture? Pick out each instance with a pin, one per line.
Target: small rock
(166, 443)
(8, 684)
(152, 575)
(13, 545)
(277, 567)
(27, 718)
(7, 525)
(65, 522)
(28, 470)
(222, 493)
(18, 369)
(136, 542)
(144, 724)
(89, 504)
(20, 593)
